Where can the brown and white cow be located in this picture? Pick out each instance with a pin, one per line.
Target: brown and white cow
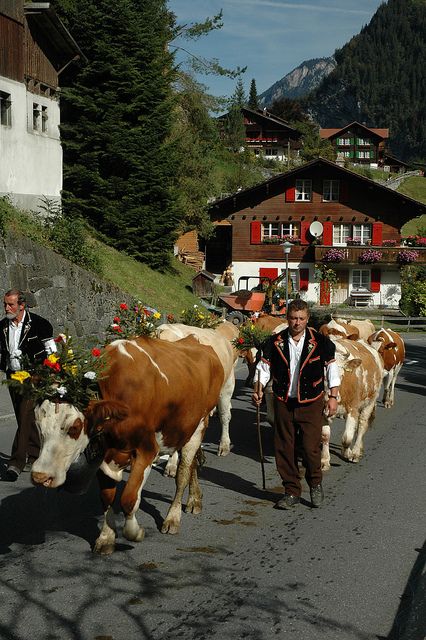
(220, 340)
(391, 348)
(365, 327)
(157, 397)
(341, 328)
(361, 370)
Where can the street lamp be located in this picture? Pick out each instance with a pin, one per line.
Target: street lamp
(287, 248)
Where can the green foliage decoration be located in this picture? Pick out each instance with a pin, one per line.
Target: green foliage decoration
(250, 337)
(197, 316)
(132, 321)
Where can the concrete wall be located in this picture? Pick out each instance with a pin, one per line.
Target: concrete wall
(73, 299)
(31, 160)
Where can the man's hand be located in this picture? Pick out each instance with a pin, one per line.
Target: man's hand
(331, 406)
(257, 395)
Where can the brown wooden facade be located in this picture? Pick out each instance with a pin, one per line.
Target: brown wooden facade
(358, 203)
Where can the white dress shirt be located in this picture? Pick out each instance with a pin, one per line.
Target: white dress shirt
(15, 330)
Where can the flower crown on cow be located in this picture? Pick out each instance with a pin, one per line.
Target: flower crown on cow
(69, 375)
(131, 321)
(250, 337)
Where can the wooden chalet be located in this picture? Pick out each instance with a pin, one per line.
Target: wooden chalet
(269, 135)
(359, 217)
(358, 143)
(35, 47)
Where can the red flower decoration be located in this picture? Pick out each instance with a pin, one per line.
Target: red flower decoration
(52, 365)
(146, 312)
(240, 340)
(117, 319)
(96, 352)
(124, 306)
(118, 329)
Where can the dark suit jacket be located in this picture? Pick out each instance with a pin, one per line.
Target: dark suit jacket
(35, 331)
(317, 352)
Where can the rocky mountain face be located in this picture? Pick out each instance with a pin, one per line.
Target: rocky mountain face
(299, 82)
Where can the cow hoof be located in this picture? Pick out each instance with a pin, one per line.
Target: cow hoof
(170, 526)
(224, 450)
(194, 506)
(134, 535)
(104, 548)
(170, 471)
(325, 466)
(388, 405)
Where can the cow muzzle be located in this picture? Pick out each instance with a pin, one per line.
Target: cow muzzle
(39, 478)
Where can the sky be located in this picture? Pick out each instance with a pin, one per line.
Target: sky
(270, 37)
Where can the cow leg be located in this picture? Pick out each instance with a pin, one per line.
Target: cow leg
(348, 436)
(363, 424)
(387, 381)
(195, 498)
(325, 453)
(131, 497)
(105, 543)
(224, 410)
(185, 470)
(172, 465)
(390, 399)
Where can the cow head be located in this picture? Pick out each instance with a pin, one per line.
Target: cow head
(381, 342)
(63, 438)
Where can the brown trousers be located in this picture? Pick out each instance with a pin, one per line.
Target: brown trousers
(26, 443)
(293, 419)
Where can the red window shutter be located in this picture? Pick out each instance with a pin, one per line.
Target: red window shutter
(303, 279)
(304, 232)
(268, 272)
(327, 234)
(290, 194)
(375, 280)
(376, 236)
(255, 232)
(344, 191)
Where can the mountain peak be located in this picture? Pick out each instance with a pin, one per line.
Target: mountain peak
(300, 81)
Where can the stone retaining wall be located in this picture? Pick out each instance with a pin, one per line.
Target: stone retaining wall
(73, 299)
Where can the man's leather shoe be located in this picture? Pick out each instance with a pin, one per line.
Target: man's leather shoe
(12, 474)
(317, 495)
(287, 501)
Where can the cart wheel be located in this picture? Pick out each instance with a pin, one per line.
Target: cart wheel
(236, 317)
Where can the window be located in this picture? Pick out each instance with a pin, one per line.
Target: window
(36, 116)
(293, 281)
(352, 234)
(341, 233)
(344, 142)
(361, 279)
(5, 109)
(271, 153)
(346, 154)
(303, 190)
(363, 154)
(278, 230)
(44, 118)
(330, 191)
(365, 142)
(362, 232)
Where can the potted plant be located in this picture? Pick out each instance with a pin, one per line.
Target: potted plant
(370, 256)
(407, 256)
(334, 255)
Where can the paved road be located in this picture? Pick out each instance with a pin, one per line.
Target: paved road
(352, 570)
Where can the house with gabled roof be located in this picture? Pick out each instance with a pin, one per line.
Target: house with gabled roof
(356, 216)
(268, 135)
(358, 143)
(35, 47)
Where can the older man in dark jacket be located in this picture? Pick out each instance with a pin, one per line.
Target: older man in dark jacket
(22, 334)
(298, 360)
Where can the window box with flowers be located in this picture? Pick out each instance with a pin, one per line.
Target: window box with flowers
(407, 256)
(389, 243)
(334, 255)
(370, 256)
(280, 239)
(414, 241)
(353, 242)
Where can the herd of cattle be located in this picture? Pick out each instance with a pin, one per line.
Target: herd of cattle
(160, 392)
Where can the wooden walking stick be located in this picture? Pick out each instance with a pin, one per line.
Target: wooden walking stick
(259, 436)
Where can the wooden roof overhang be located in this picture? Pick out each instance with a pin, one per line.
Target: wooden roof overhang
(381, 134)
(52, 36)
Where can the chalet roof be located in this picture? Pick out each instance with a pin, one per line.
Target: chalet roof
(392, 160)
(267, 119)
(330, 133)
(264, 190)
(52, 35)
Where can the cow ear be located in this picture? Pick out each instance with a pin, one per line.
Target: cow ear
(352, 364)
(75, 429)
(390, 345)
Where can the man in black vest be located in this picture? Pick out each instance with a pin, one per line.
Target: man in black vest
(22, 333)
(298, 359)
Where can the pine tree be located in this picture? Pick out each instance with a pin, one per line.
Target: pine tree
(239, 98)
(253, 101)
(119, 165)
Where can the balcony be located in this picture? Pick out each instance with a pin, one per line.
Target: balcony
(389, 254)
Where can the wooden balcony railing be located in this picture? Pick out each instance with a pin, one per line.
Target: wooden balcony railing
(389, 254)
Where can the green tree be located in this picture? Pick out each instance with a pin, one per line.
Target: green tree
(289, 110)
(119, 166)
(253, 101)
(313, 146)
